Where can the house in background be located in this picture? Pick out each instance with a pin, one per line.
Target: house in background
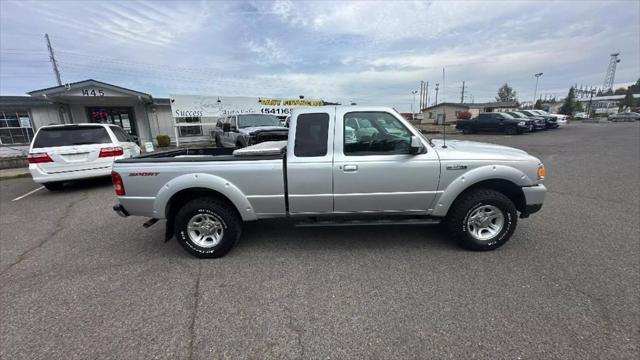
(449, 111)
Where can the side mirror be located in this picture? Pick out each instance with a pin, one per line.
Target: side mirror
(416, 145)
(226, 127)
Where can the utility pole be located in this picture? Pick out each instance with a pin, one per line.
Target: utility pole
(590, 99)
(536, 90)
(462, 96)
(413, 114)
(421, 93)
(53, 59)
(426, 95)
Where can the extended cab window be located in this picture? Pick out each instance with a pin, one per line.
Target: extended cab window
(312, 132)
(375, 133)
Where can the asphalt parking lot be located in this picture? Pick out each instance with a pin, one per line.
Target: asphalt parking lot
(79, 282)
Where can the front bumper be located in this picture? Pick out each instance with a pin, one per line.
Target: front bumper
(534, 197)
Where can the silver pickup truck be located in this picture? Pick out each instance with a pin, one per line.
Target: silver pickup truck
(384, 171)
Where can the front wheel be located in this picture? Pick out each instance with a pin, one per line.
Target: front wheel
(207, 228)
(467, 130)
(482, 220)
(511, 130)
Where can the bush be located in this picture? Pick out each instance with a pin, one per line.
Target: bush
(163, 140)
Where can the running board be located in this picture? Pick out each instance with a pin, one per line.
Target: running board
(368, 222)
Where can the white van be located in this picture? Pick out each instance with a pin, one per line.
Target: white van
(59, 153)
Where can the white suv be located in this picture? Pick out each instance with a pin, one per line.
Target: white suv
(59, 153)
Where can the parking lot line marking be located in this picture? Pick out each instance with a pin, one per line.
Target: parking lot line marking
(27, 194)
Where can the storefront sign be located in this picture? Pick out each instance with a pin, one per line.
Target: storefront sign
(218, 106)
(25, 122)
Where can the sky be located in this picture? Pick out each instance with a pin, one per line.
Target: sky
(368, 52)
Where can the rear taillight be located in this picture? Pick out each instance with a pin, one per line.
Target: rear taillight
(37, 158)
(118, 185)
(111, 151)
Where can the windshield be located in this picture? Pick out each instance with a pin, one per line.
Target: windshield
(514, 114)
(507, 116)
(245, 121)
(67, 136)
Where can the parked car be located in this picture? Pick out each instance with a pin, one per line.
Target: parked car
(391, 174)
(625, 116)
(495, 122)
(248, 129)
(550, 122)
(60, 153)
(538, 121)
(581, 115)
(561, 119)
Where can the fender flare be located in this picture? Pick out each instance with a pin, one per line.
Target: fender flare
(207, 181)
(472, 177)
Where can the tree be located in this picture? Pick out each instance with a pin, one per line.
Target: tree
(578, 107)
(538, 105)
(569, 105)
(635, 88)
(620, 91)
(506, 93)
(628, 101)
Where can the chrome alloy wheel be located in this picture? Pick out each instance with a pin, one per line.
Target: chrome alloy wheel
(485, 222)
(205, 230)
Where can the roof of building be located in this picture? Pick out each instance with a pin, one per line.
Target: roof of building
(465, 106)
(88, 82)
(608, 97)
(16, 101)
(495, 104)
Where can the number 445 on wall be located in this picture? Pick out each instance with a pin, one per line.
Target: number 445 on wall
(92, 92)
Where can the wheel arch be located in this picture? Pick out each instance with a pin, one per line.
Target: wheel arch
(187, 187)
(508, 181)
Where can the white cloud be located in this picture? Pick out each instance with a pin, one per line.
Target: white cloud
(270, 51)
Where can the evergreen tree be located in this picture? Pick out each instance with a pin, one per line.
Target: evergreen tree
(506, 93)
(569, 105)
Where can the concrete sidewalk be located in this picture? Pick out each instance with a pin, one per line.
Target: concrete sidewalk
(14, 173)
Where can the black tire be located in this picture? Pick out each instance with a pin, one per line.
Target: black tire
(511, 130)
(467, 130)
(218, 142)
(222, 212)
(462, 208)
(239, 145)
(53, 186)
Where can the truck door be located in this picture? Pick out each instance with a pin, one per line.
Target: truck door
(374, 171)
(309, 163)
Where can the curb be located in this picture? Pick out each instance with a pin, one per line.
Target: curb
(14, 175)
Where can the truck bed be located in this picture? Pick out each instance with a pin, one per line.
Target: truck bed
(260, 179)
(197, 154)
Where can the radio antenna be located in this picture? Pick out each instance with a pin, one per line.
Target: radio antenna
(444, 113)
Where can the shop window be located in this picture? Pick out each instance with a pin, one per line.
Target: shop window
(15, 127)
(190, 130)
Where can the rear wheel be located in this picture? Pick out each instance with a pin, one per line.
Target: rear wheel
(207, 228)
(218, 142)
(53, 186)
(482, 219)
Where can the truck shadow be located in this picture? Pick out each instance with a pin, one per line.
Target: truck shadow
(281, 234)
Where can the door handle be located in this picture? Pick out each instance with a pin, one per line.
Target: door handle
(350, 168)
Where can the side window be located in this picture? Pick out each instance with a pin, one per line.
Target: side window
(379, 133)
(312, 133)
(120, 134)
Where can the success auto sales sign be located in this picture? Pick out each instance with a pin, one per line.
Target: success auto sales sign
(219, 106)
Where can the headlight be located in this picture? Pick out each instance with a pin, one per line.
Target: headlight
(541, 172)
(521, 123)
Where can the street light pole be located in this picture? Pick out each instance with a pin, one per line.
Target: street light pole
(536, 90)
(413, 114)
(437, 85)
